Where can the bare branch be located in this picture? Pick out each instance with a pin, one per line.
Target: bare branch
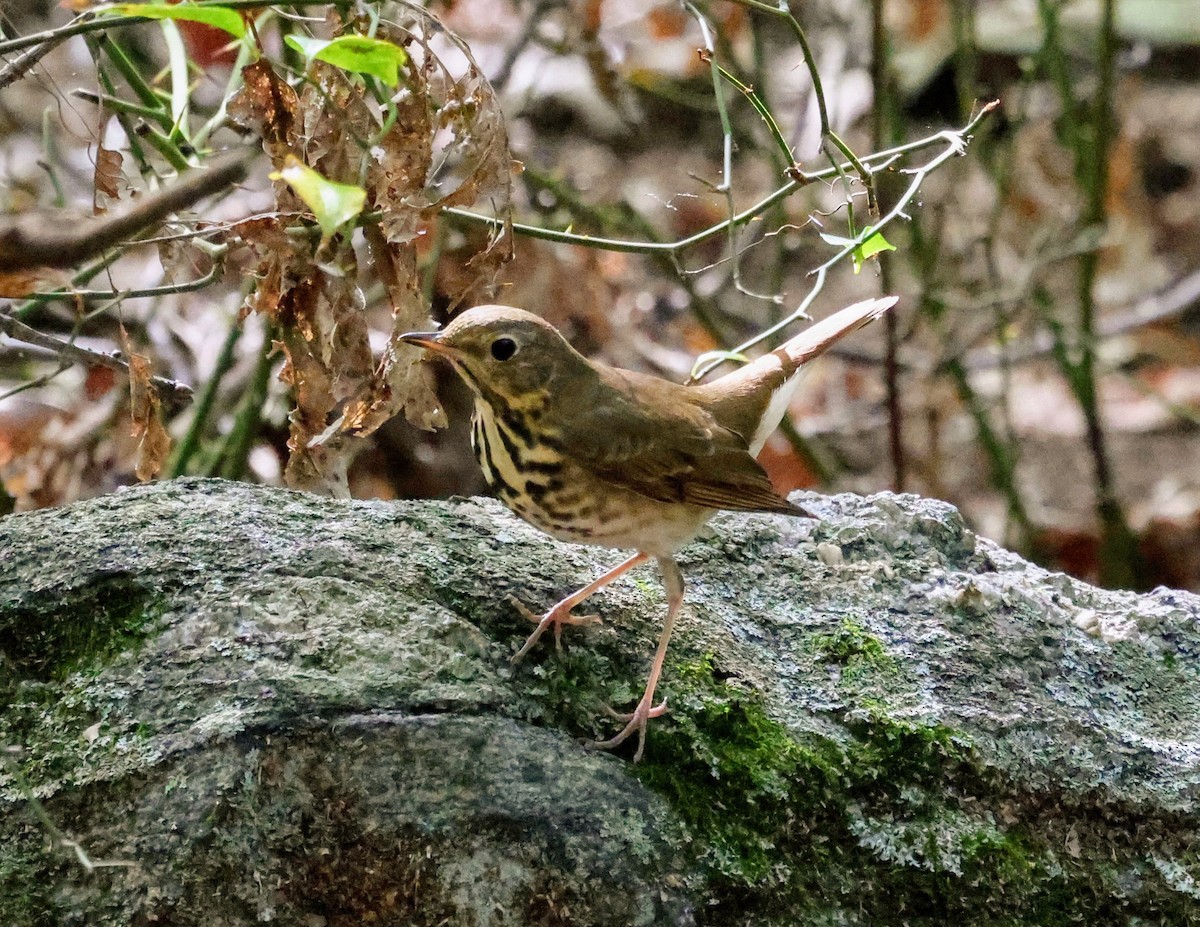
(876, 162)
(35, 241)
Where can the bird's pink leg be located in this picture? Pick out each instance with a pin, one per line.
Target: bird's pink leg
(646, 709)
(560, 614)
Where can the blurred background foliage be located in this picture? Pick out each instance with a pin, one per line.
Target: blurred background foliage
(1041, 371)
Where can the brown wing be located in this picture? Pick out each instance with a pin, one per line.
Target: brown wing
(646, 435)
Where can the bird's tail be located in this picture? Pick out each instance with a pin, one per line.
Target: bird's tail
(812, 342)
(753, 399)
(819, 337)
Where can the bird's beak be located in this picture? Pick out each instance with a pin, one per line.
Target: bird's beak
(431, 341)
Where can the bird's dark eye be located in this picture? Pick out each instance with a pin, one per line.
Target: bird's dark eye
(503, 348)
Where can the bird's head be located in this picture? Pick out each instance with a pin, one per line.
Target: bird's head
(505, 352)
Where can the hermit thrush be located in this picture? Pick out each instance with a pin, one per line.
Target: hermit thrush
(598, 455)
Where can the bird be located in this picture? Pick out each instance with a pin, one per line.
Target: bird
(599, 455)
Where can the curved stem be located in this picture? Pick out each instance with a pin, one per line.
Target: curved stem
(874, 163)
(955, 146)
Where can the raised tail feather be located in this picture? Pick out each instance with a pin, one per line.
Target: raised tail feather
(812, 342)
(820, 336)
(753, 399)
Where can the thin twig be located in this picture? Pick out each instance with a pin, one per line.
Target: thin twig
(150, 292)
(18, 68)
(528, 34)
(1157, 307)
(882, 122)
(828, 135)
(87, 22)
(235, 451)
(879, 160)
(955, 146)
(57, 837)
(763, 111)
(178, 464)
(725, 187)
(117, 105)
(175, 394)
(1119, 561)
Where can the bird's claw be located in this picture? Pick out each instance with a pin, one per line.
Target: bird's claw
(556, 616)
(636, 722)
(565, 618)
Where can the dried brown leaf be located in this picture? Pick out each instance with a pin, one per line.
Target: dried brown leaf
(451, 120)
(668, 21)
(468, 140)
(469, 143)
(267, 104)
(264, 234)
(146, 411)
(303, 371)
(181, 260)
(106, 178)
(283, 260)
(335, 120)
(325, 342)
(322, 467)
(23, 282)
(401, 161)
(314, 298)
(98, 381)
(401, 382)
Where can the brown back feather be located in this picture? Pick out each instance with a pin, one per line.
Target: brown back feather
(648, 435)
(691, 444)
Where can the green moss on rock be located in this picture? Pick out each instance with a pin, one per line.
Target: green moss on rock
(52, 632)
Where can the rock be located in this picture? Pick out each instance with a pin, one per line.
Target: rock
(248, 705)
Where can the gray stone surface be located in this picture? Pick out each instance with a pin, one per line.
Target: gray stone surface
(270, 707)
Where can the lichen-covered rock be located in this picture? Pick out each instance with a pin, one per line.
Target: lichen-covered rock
(261, 706)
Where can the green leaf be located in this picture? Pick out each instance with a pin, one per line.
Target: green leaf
(355, 53)
(874, 244)
(870, 246)
(333, 204)
(222, 17)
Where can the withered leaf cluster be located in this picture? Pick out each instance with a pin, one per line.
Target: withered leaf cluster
(437, 141)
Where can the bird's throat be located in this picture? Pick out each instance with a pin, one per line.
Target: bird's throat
(512, 448)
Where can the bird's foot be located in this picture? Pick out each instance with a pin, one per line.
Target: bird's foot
(558, 616)
(635, 722)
